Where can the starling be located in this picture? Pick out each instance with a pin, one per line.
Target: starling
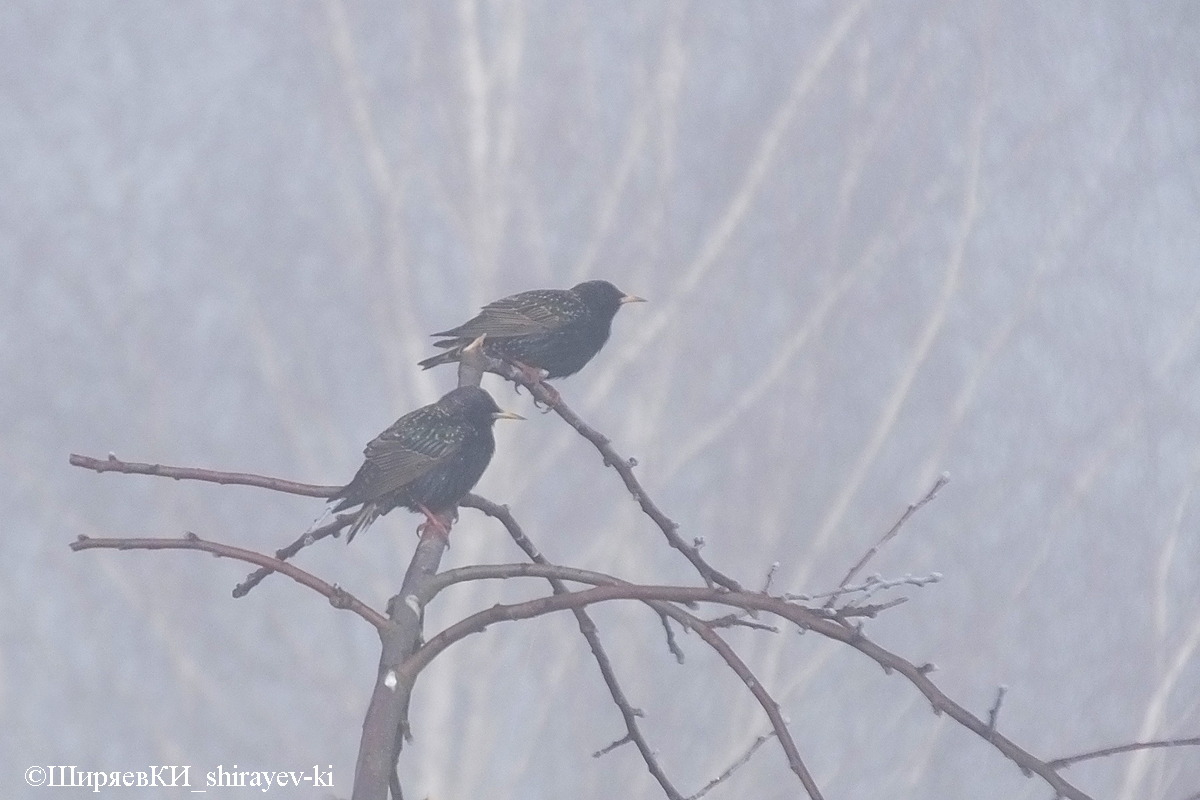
(555, 330)
(426, 461)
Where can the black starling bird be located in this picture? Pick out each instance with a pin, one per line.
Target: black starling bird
(555, 330)
(426, 461)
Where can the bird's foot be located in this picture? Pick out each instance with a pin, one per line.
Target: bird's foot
(438, 524)
(536, 376)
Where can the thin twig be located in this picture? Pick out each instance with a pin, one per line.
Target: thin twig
(734, 767)
(738, 620)
(872, 585)
(113, 464)
(994, 711)
(761, 694)
(1059, 763)
(913, 508)
(608, 748)
(870, 612)
(332, 528)
(669, 632)
(338, 597)
(766, 589)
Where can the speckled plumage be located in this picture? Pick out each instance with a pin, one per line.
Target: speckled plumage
(430, 457)
(557, 330)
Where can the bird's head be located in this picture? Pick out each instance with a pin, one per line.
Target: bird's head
(476, 405)
(603, 298)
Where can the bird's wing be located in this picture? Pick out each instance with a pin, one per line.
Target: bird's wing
(537, 311)
(408, 449)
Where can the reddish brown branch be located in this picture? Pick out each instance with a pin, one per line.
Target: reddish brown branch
(113, 464)
(338, 598)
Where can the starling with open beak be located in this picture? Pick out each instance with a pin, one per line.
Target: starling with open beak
(426, 461)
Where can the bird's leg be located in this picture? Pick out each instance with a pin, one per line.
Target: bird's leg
(435, 523)
(535, 375)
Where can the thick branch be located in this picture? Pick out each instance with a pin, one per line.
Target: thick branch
(386, 722)
(338, 598)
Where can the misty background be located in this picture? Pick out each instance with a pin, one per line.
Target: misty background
(880, 241)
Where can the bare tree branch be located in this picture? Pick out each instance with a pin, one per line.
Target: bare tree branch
(1067, 761)
(994, 711)
(394, 681)
(311, 537)
(672, 644)
(913, 508)
(742, 761)
(588, 628)
(873, 584)
(113, 464)
(386, 723)
(806, 618)
(478, 622)
(624, 467)
(688, 621)
(760, 693)
(738, 620)
(338, 597)
(608, 748)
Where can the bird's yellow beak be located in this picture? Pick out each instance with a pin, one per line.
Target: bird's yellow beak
(632, 298)
(506, 415)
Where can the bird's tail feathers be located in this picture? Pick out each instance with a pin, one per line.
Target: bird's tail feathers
(448, 357)
(368, 514)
